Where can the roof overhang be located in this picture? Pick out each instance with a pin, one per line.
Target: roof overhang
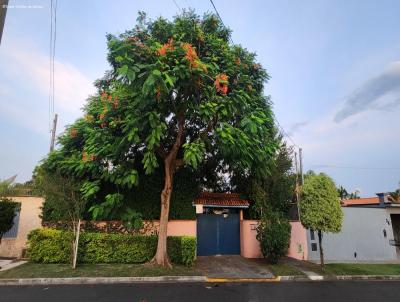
(221, 200)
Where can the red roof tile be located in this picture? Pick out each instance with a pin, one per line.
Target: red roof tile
(221, 200)
(360, 201)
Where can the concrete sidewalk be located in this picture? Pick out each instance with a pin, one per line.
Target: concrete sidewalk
(6, 264)
(231, 267)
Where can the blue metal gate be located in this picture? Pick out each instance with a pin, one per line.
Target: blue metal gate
(217, 234)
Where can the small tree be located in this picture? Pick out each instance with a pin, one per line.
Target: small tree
(320, 207)
(65, 194)
(8, 209)
(273, 233)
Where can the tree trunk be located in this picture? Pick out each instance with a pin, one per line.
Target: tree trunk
(170, 163)
(76, 244)
(321, 251)
(161, 257)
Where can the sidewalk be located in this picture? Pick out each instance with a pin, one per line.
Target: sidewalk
(6, 264)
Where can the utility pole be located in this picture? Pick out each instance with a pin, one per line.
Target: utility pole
(3, 12)
(297, 186)
(53, 132)
(301, 165)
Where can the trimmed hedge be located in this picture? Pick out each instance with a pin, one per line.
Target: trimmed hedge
(54, 246)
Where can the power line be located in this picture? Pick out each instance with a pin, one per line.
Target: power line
(50, 63)
(176, 4)
(52, 53)
(355, 167)
(278, 124)
(220, 19)
(285, 133)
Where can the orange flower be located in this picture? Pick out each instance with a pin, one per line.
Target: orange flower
(73, 132)
(191, 55)
(84, 156)
(237, 61)
(102, 116)
(115, 103)
(104, 95)
(110, 97)
(92, 157)
(162, 51)
(221, 83)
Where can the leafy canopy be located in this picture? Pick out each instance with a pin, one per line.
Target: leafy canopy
(319, 204)
(168, 76)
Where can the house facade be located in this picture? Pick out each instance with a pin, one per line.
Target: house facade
(370, 233)
(13, 243)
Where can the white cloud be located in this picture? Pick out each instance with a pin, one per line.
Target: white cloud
(379, 93)
(32, 67)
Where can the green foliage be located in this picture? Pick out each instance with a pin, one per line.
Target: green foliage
(8, 209)
(273, 233)
(343, 194)
(132, 220)
(50, 246)
(163, 72)
(65, 194)
(320, 206)
(272, 192)
(54, 246)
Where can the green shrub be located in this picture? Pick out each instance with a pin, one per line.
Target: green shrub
(274, 236)
(8, 210)
(50, 246)
(54, 246)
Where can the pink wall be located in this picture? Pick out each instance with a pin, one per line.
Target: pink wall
(182, 228)
(298, 241)
(250, 247)
(175, 227)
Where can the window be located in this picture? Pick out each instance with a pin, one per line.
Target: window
(12, 233)
(314, 247)
(312, 235)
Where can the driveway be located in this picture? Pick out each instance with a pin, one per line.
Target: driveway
(231, 266)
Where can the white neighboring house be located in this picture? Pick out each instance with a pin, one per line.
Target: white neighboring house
(370, 233)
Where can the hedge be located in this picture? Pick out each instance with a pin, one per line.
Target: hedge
(54, 246)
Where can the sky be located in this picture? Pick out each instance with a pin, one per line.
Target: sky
(334, 67)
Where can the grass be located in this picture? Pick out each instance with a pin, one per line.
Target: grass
(36, 270)
(362, 269)
(283, 269)
(279, 269)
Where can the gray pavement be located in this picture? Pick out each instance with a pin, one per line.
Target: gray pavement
(194, 292)
(231, 267)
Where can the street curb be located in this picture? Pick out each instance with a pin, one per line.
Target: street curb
(367, 277)
(293, 278)
(100, 280)
(234, 280)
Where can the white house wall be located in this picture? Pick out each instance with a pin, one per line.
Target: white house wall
(362, 233)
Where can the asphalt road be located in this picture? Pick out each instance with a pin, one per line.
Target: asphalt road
(285, 291)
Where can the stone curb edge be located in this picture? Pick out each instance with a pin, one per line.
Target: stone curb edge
(341, 278)
(171, 279)
(100, 280)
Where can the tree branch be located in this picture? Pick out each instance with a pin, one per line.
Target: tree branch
(160, 151)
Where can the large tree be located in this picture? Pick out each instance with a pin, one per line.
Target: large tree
(320, 207)
(178, 94)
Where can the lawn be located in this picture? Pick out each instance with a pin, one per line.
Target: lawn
(362, 269)
(279, 269)
(283, 269)
(35, 270)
